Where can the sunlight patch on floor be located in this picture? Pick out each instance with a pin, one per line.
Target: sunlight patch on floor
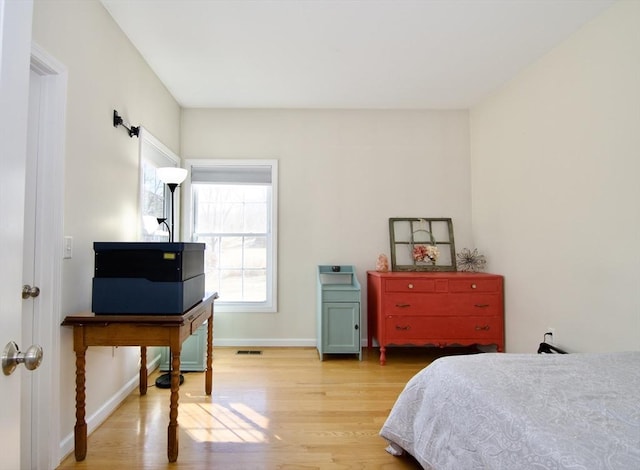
(213, 422)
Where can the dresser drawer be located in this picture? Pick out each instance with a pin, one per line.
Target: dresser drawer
(410, 285)
(475, 304)
(416, 304)
(427, 329)
(474, 285)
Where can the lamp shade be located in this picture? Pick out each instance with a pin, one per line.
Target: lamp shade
(171, 175)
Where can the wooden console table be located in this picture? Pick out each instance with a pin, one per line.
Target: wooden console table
(139, 330)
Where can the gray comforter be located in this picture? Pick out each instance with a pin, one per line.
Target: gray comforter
(517, 411)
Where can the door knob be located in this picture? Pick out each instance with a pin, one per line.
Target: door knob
(11, 357)
(28, 291)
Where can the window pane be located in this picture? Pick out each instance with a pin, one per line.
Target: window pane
(231, 284)
(230, 208)
(255, 252)
(255, 218)
(231, 252)
(255, 285)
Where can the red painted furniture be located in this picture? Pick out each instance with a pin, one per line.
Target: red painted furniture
(434, 308)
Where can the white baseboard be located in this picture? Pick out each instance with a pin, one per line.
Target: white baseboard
(269, 342)
(264, 342)
(97, 418)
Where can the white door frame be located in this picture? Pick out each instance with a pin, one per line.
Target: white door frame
(42, 431)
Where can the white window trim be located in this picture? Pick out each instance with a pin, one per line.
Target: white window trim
(271, 304)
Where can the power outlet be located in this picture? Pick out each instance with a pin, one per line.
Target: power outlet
(550, 336)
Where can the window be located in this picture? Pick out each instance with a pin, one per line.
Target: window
(155, 198)
(232, 208)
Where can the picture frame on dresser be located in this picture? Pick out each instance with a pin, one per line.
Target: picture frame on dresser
(422, 244)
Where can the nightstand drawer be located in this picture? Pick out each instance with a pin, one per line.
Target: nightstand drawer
(474, 285)
(410, 285)
(341, 295)
(475, 304)
(436, 329)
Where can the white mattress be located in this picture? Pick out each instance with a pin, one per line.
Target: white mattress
(516, 411)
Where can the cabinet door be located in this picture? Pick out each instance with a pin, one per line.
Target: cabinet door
(192, 357)
(341, 327)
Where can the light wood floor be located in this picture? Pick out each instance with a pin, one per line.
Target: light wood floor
(283, 409)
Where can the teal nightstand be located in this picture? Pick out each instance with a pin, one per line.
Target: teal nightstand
(338, 311)
(192, 356)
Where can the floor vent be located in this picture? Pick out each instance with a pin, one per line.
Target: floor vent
(253, 353)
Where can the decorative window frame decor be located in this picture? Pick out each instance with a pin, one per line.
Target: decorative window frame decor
(407, 233)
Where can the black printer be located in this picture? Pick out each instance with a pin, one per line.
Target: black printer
(147, 277)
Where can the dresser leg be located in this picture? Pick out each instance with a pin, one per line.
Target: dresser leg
(383, 355)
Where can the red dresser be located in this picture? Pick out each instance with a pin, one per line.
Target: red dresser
(434, 308)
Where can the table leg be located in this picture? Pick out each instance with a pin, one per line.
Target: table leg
(383, 355)
(172, 432)
(80, 429)
(208, 375)
(143, 370)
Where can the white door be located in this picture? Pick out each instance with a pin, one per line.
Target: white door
(29, 273)
(15, 52)
(42, 258)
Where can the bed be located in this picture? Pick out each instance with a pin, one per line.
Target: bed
(521, 411)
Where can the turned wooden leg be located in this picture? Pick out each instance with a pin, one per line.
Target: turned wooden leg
(172, 438)
(80, 429)
(208, 375)
(143, 370)
(383, 355)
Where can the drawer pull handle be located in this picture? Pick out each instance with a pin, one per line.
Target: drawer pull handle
(483, 328)
(410, 286)
(473, 286)
(403, 305)
(482, 305)
(403, 328)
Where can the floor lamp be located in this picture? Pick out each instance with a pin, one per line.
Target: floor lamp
(172, 177)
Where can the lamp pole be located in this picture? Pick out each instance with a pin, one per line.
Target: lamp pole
(172, 177)
(172, 188)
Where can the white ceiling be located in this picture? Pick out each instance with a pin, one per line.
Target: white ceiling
(405, 54)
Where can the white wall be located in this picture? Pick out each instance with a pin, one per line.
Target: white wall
(556, 199)
(343, 174)
(101, 170)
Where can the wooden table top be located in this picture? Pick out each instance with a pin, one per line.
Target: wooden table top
(90, 318)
